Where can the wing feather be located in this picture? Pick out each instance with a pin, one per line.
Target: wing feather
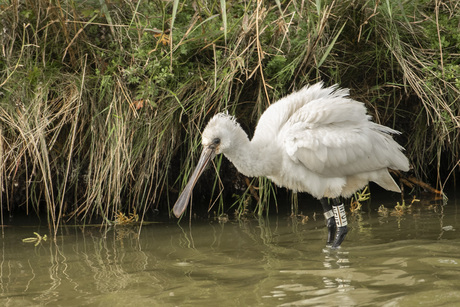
(334, 137)
(329, 133)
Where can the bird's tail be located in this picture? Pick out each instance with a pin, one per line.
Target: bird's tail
(387, 182)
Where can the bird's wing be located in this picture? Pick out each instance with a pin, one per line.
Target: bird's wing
(287, 108)
(335, 137)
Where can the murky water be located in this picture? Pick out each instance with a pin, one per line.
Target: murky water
(406, 260)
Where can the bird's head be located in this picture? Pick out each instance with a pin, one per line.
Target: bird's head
(219, 132)
(217, 138)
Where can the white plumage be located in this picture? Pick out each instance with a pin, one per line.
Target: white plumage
(316, 140)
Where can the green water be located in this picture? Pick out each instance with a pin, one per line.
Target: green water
(411, 260)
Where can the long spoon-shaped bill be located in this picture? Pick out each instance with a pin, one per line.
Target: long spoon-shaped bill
(182, 202)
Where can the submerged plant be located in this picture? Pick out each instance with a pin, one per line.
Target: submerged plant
(122, 219)
(360, 196)
(37, 239)
(399, 209)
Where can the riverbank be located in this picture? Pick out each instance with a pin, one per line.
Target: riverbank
(101, 105)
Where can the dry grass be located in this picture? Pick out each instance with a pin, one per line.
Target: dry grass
(101, 105)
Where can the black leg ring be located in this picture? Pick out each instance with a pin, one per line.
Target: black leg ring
(330, 221)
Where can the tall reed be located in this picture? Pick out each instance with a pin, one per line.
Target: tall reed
(102, 102)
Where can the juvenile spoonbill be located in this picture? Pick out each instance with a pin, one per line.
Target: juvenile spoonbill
(316, 140)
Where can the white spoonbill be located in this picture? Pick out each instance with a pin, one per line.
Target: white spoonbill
(316, 140)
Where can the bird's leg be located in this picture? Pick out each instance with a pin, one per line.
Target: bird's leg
(330, 221)
(340, 217)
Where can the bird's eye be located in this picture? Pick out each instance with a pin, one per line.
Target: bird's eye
(216, 141)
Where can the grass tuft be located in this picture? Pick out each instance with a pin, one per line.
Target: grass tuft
(102, 102)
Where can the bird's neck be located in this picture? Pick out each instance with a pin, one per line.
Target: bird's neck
(252, 158)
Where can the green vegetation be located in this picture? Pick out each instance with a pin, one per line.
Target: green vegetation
(101, 102)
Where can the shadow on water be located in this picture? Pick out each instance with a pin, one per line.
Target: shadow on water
(412, 259)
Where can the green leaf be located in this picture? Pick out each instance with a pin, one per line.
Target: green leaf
(331, 45)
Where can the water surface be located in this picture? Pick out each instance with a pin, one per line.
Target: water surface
(407, 260)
